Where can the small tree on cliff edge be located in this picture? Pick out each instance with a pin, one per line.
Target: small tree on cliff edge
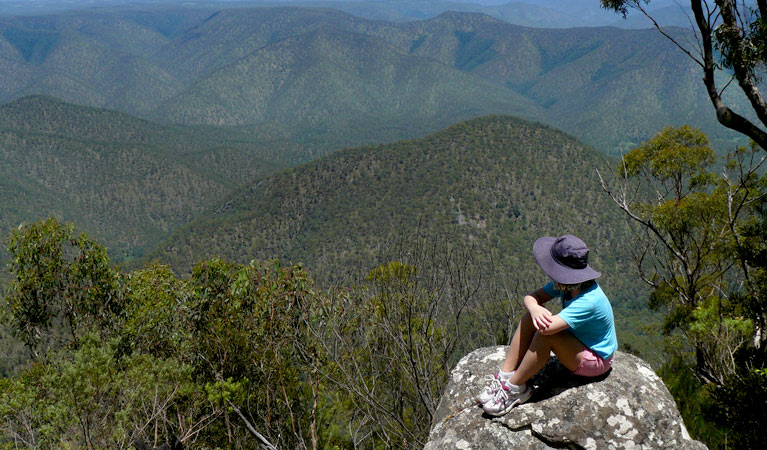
(693, 226)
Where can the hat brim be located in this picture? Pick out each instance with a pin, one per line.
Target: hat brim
(556, 271)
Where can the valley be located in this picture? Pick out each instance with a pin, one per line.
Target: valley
(379, 81)
(301, 214)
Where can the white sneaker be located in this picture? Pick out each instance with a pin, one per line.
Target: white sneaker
(494, 384)
(488, 393)
(507, 397)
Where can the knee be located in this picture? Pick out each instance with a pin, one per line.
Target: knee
(527, 319)
(542, 338)
(526, 324)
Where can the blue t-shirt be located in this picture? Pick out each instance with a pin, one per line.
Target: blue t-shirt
(590, 318)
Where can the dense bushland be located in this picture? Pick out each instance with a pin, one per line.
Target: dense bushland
(235, 356)
(702, 253)
(246, 354)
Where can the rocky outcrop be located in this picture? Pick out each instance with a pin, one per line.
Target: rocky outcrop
(628, 408)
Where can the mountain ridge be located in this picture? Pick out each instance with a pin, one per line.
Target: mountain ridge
(493, 184)
(120, 178)
(364, 74)
(474, 142)
(612, 88)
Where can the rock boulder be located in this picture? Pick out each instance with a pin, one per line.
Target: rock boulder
(628, 408)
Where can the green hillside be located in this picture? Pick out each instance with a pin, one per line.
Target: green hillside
(496, 183)
(226, 36)
(95, 59)
(612, 88)
(540, 13)
(497, 180)
(606, 86)
(334, 79)
(536, 13)
(123, 179)
(323, 74)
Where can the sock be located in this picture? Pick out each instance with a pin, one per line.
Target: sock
(505, 375)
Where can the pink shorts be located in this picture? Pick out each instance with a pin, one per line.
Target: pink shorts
(592, 365)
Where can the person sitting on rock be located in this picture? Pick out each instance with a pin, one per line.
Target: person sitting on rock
(582, 335)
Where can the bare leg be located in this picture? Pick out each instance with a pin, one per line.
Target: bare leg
(523, 336)
(566, 346)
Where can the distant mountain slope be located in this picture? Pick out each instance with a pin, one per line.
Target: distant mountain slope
(531, 13)
(322, 72)
(124, 180)
(225, 36)
(563, 14)
(98, 59)
(606, 86)
(335, 79)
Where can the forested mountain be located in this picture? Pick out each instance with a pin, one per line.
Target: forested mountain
(331, 78)
(498, 180)
(532, 13)
(94, 59)
(319, 72)
(496, 183)
(124, 179)
(602, 85)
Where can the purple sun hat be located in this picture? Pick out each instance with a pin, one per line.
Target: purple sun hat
(564, 259)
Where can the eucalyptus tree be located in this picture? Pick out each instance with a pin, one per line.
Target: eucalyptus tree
(63, 285)
(691, 224)
(729, 35)
(706, 234)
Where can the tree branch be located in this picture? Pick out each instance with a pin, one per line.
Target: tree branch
(740, 67)
(657, 26)
(724, 114)
(264, 443)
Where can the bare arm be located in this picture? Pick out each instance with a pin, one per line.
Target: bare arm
(543, 320)
(538, 313)
(557, 325)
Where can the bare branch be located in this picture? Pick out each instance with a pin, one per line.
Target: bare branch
(264, 442)
(657, 26)
(721, 91)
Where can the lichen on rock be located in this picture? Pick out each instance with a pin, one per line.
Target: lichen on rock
(628, 408)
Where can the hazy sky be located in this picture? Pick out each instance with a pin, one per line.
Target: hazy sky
(84, 3)
(587, 10)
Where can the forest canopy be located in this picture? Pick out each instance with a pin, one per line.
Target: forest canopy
(705, 230)
(237, 355)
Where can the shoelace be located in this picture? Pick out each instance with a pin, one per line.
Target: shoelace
(500, 394)
(495, 384)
